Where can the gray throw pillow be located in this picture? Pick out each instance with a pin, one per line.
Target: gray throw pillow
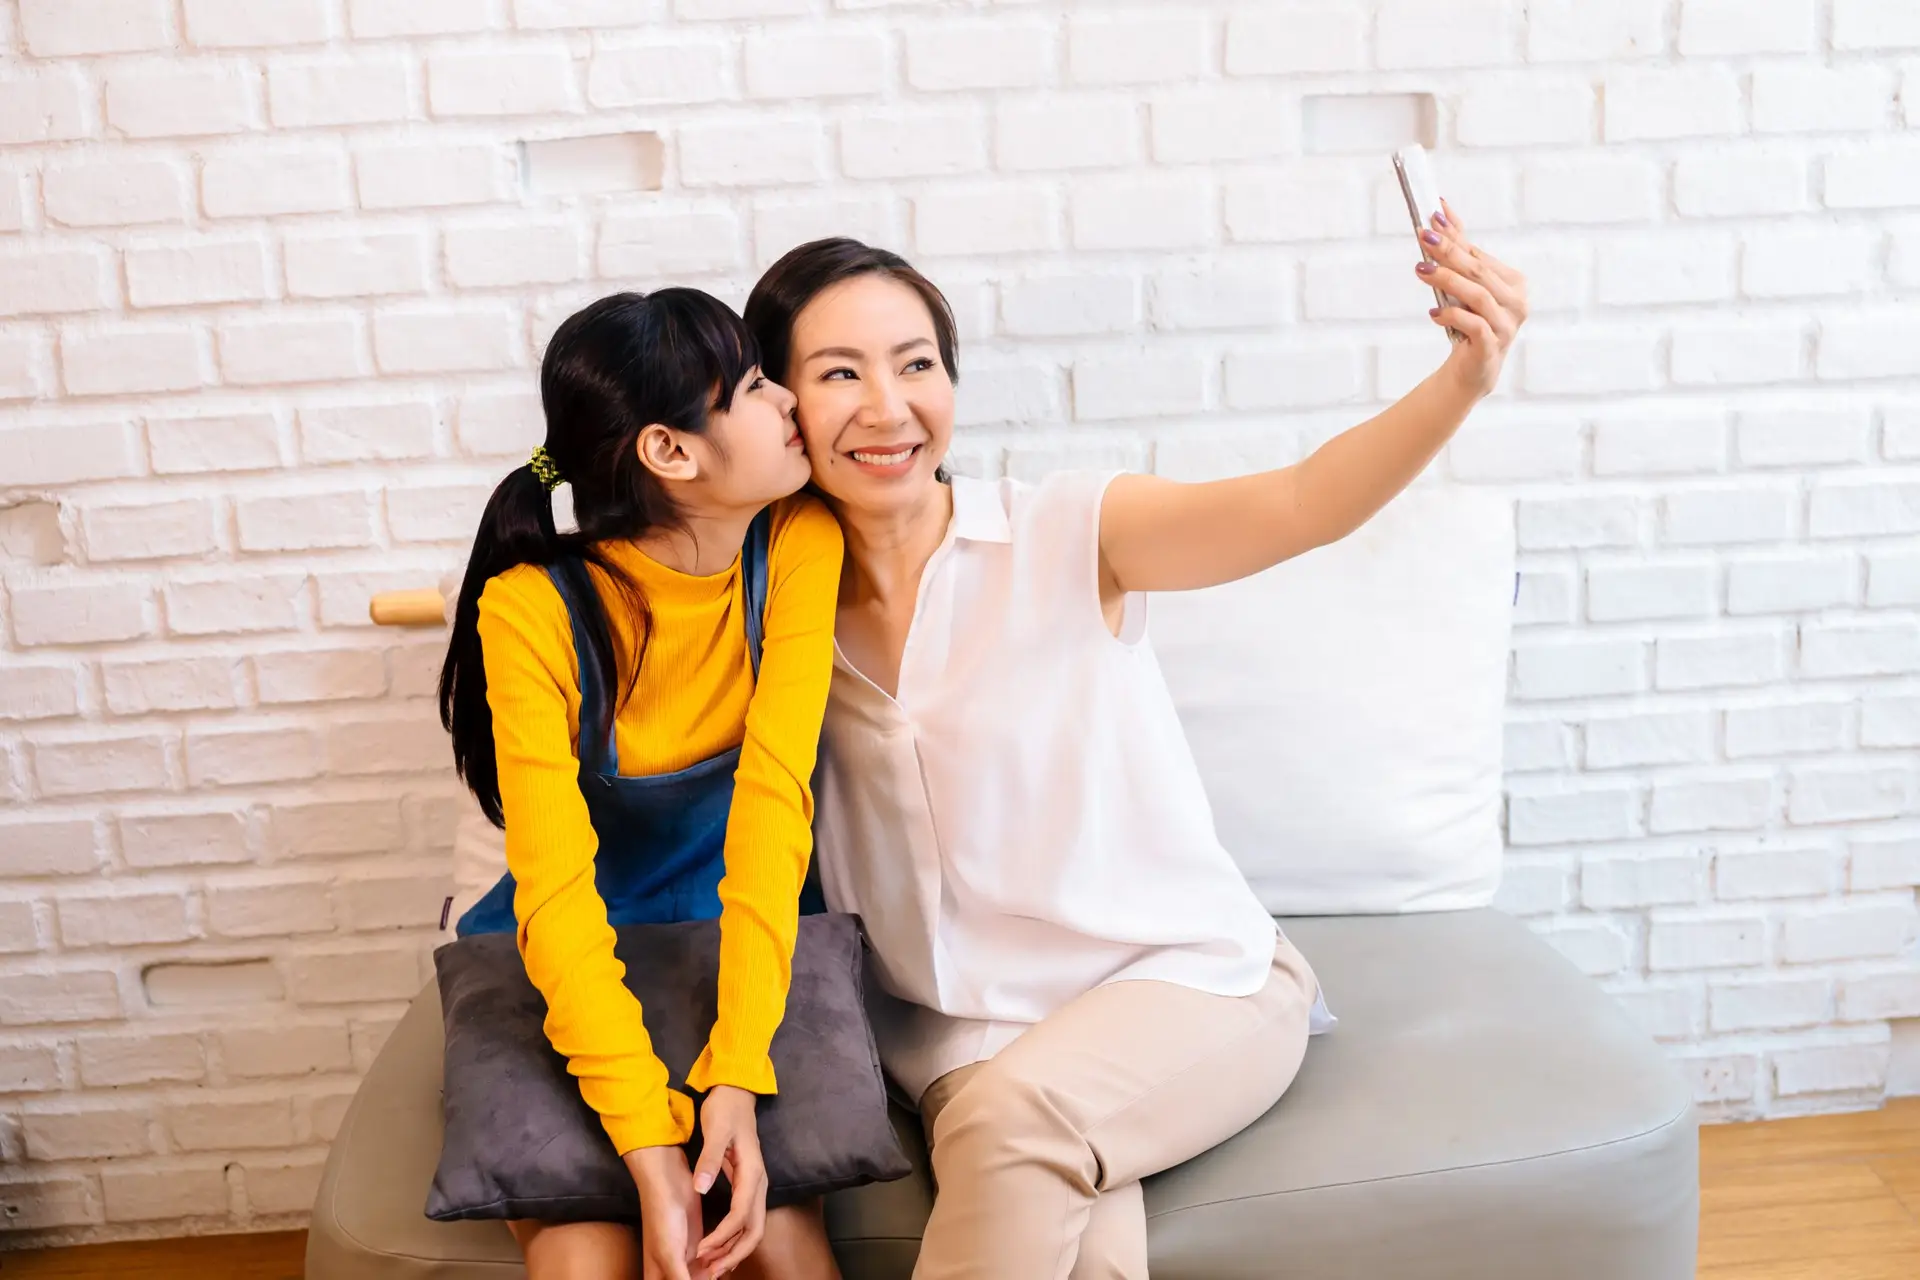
(522, 1144)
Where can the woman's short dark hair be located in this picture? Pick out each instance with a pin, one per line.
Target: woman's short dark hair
(809, 271)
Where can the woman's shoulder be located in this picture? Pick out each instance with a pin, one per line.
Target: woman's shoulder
(803, 526)
(524, 597)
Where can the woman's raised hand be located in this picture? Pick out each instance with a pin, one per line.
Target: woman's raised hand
(1492, 299)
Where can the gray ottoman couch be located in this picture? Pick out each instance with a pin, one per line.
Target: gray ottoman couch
(1482, 1112)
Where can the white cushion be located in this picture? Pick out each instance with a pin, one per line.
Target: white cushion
(1346, 709)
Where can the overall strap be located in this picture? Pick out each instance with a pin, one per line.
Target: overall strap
(753, 575)
(597, 754)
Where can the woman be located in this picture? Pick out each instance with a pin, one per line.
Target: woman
(1085, 990)
(638, 704)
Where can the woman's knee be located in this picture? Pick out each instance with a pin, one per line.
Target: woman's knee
(795, 1247)
(1007, 1113)
(577, 1250)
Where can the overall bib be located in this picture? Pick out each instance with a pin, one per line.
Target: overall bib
(662, 837)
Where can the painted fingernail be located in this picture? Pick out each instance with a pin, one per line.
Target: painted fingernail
(1424, 268)
(1440, 220)
(1434, 312)
(1430, 237)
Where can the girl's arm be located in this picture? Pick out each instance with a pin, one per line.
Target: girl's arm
(1161, 535)
(770, 826)
(593, 1020)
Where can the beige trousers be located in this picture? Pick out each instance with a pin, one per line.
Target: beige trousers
(1038, 1153)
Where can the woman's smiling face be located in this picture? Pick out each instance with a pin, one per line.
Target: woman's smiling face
(875, 399)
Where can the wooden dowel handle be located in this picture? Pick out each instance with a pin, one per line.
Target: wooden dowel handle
(425, 607)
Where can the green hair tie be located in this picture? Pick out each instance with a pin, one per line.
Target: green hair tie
(544, 470)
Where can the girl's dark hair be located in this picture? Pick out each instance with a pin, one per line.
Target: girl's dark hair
(671, 357)
(810, 270)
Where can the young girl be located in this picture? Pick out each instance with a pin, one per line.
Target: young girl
(638, 704)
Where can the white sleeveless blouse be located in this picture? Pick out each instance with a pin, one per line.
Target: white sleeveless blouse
(1024, 822)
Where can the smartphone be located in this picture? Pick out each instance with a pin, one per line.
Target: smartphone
(1415, 171)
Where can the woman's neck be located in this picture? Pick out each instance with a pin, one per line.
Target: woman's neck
(888, 550)
(703, 544)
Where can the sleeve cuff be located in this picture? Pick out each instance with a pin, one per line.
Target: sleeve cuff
(754, 1074)
(672, 1127)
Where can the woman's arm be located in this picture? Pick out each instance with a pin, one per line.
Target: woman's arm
(1161, 535)
(770, 826)
(593, 1020)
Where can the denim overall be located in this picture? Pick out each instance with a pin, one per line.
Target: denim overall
(662, 837)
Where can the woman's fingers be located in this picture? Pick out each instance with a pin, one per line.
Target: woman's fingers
(1466, 323)
(1469, 293)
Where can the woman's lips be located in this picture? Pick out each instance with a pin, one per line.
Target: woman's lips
(892, 461)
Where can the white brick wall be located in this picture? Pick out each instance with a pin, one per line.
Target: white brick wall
(273, 279)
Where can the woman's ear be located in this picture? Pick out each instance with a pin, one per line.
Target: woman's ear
(662, 453)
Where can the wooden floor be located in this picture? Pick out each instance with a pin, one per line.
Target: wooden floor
(1826, 1198)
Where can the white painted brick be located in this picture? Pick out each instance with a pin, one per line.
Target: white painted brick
(1774, 873)
(1893, 579)
(506, 424)
(236, 757)
(1738, 352)
(184, 839)
(80, 612)
(46, 104)
(1884, 863)
(242, 442)
(439, 513)
(355, 977)
(1813, 99)
(114, 1061)
(780, 224)
(284, 1049)
(1727, 181)
(372, 19)
(245, 24)
(393, 902)
(235, 605)
(1532, 886)
(1769, 1004)
(1018, 395)
(1676, 942)
(1890, 722)
(1546, 598)
(428, 177)
(1143, 47)
(1666, 1012)
(1364, 284)
(392, 745)
(999, 54)
(1620, 883)
(1294, 203)
(95, 1132)
(1063, 305)
(151, 531)
(255, 909)
(655, 71)
(1841, 649)
(1538, 746)
(1791, 435)
(324, 92)
(1143, 386)
(1644, 270)
(197, 272)
(504, 256)
(291, 346)
(1874, 997)
(51, 280)
(367, 431)
(1874, 24)
(1867, 343)
(1729, 515)
(1854, 931)
(1901, 435)
(50, 848)
(25, 367)
(816, 62)
(1876, 177)
(1577, 668)
(527, 81)
(77, 995)
(287, 1185)
(1791, 584)
(67, 453)
(1240, 293)
(1213, 125)
(451, 339)
(1711, 804)
(230, 1122)
(1637, 592)
(668, 243)
(158, 101)
(1061, 132)
(346, 266)
(65, 28)
(300, 522)
(1671, 103)
(1596, 947)
(1850, 793)
(337, 828)
(319, 675)
(1844, 510)
(914, 143)
(261, 184)
(1722, 28)
(115, 193)
(137, 1195)
(122, 919)
(764, 153)
(1679, 737)
(1660, 442)
(1569, 523)
(1294, 376)
(1806, 264)
(1287, 38)
(986, 219)
(1591, 361)
(1444, 33)
(1527, 110)
(41, 691)
(1793, 729)
(1578, 31)
(128, 359)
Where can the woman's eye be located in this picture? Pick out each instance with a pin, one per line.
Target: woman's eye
(921, 365)
(756, 384)
(837, 375)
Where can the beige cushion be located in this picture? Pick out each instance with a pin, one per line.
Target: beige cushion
(1482, 1112)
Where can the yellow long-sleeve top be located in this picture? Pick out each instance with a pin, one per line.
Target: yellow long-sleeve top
(696, 697)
